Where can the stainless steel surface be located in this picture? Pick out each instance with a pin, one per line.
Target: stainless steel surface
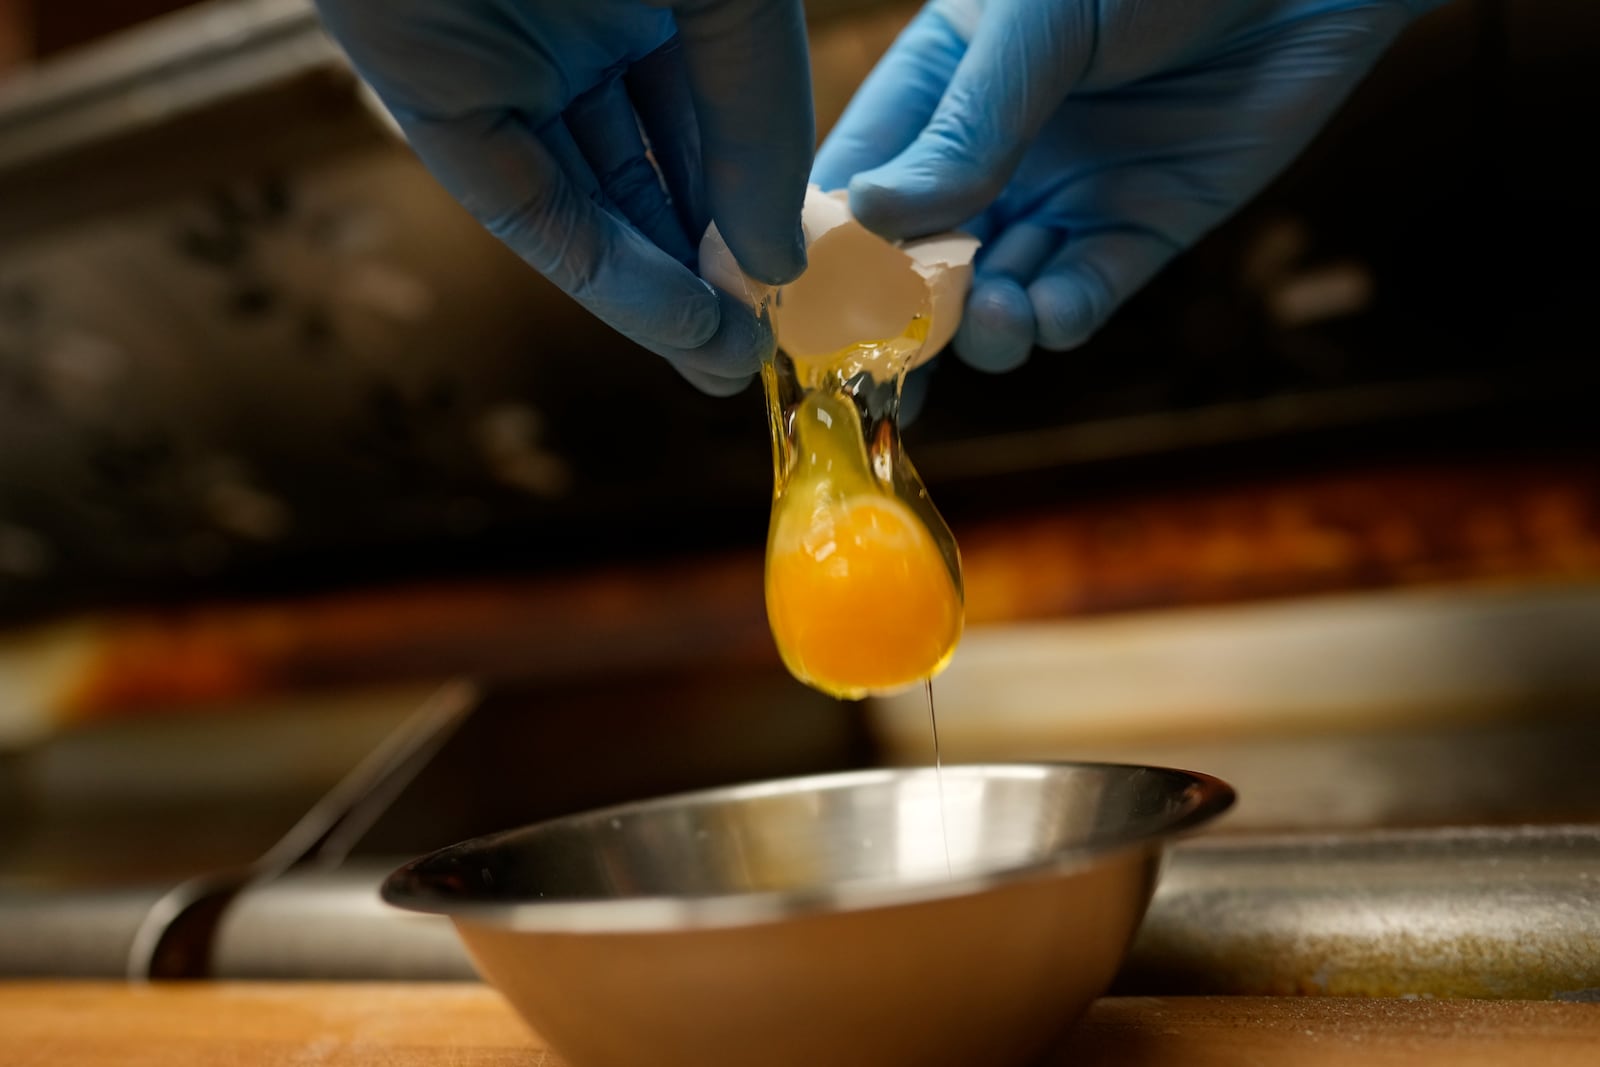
(326, 833)
(1445, 706)
(84, 934)
(140, 80)
(819, 920)
(1353, 661)
(1486, 912)
(1511, 912)
(95, 805)
(210, 799)
(211, 208)
(177, 936)
(331, 924)
(1540, 770)
(296, 897)
(166, 929)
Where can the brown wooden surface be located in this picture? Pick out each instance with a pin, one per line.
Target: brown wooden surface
(278, 1025)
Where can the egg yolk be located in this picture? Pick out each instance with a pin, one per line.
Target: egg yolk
(859, 596)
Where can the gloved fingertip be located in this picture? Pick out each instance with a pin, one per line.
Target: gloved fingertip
(1068, 308)
(778, 263)
(826, 174)
(745, 340)
(798, 250)
(699, 319)
(913, 196)
(996, 334)
(880, 206)
(735, 351)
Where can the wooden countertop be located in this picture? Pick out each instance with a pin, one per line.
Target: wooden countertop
(468, 1025)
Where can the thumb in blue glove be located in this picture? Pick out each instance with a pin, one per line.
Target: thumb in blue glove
(599, 139)
(1086, 142)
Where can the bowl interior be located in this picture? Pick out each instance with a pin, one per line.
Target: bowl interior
(814, 835)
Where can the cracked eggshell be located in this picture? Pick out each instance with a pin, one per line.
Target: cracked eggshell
(857, 286)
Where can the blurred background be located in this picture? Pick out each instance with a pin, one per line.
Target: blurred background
(287, 444)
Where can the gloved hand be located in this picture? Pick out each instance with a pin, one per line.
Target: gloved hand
(1086, 142)
(537, 115)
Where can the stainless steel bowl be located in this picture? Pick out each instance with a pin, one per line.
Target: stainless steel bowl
(877, 918)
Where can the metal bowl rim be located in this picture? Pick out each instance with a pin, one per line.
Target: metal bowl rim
(669, 914)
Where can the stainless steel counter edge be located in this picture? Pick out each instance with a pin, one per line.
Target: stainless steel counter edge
(1495, 912)
(1485, 912)
(147, 76)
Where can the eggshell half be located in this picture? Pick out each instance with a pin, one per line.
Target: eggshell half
(857, 286)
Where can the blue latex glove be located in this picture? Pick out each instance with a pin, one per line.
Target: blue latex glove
(535, 114)
(1087, 142)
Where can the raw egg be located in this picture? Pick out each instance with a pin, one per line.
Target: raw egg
(863, 577)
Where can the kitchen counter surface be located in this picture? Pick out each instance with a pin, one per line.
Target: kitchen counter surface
(468, 1025)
